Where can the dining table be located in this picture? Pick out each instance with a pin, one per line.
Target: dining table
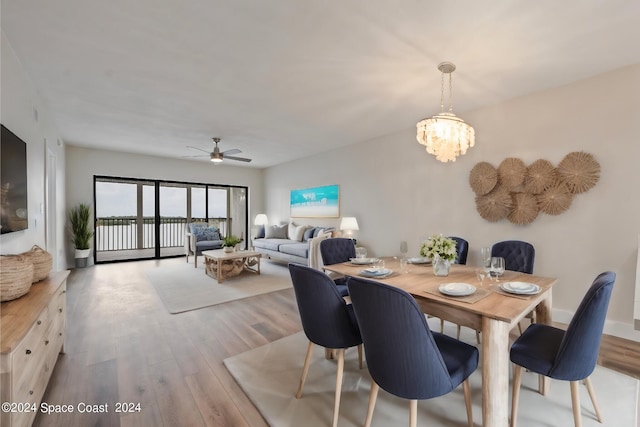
(489, 310)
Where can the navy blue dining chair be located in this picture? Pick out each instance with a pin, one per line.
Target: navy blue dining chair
(336, 251)
(569, 355)
(462, 249)
(518, 256)
(404, 357)
(327, 321)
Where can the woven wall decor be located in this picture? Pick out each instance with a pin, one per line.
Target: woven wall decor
(483, 178)
(524, 208)
(541, 175)
(511, 172)
(495, 205)
(556, 199)
(519, 193)
(580, 171)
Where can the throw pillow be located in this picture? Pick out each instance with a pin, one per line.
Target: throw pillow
(299, 233)
(308, 234)
(291, 230)
(276, 232)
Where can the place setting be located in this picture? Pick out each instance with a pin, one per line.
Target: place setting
(376, 271)
(460, 291)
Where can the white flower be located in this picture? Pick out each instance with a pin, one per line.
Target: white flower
(441, 246)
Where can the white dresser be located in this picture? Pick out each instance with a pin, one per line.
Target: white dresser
(32, 332)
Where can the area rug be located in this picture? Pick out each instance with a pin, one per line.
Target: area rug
(181, 287)
(270, 375)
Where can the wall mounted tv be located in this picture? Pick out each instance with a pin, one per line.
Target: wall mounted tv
(13, 182)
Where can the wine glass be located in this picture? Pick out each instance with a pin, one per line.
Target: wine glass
(497, 267)
(403, 248)
(481, 273)
(486, 258)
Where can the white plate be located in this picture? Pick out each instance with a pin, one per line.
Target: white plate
(418, 260)
(520, 288)
(363, 261)
(376, 272)
(457, 289)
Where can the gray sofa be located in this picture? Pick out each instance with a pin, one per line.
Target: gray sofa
(285, 244)
(199, 236)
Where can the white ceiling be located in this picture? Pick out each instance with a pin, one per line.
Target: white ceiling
(283, 79)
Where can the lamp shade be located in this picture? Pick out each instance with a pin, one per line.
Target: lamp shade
(349, 223)
(261, 219)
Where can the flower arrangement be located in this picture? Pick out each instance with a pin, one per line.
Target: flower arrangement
(438, 245)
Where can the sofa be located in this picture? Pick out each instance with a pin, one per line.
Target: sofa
(199, 237)
(289, 242)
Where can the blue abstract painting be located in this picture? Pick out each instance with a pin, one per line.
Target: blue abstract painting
(316, 202)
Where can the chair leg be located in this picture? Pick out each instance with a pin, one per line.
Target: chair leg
(413, 413)
(441, 326)
(305, 369)
(467, 401)
(373, 396)
(592, 395)
(360, 356)
(575, 403)
(195, 260)
(458, 334)
(336, 405)
(517, 379)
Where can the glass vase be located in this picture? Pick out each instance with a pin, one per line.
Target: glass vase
(441, 266)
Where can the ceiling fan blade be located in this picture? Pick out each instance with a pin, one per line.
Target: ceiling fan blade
(232, 151)
(191, 157)
(199, 149)
(240, 159)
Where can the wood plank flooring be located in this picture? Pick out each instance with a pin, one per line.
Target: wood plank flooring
(123, 346)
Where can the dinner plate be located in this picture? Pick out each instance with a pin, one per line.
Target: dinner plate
(457, 289)
(363, 261)
(375, 272)
(418, 260)
(520, 288)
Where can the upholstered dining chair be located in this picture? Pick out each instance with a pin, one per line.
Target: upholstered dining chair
(569, 355)
(327, 321)
(335, 251)
(404, 357)
(518, 256)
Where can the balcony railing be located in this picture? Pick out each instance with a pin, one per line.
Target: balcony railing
(126, 232)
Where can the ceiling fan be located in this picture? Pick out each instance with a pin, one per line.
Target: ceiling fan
(217, 156)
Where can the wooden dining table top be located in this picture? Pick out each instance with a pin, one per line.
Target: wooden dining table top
(420, 279)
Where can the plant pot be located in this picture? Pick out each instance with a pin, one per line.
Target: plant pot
(228, 249)
(82, 255)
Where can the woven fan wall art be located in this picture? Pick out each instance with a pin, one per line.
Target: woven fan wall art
(519, 193)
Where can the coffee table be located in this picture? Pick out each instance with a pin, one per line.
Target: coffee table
(223, 265)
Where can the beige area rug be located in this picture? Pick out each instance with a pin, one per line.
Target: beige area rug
(182, 287)
(270, 374)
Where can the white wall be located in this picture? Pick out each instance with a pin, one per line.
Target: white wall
(20, 101)
(84, 163)
(399, 192)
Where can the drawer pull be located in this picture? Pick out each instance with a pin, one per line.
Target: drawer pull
(46, 342)
(60, 310)
(30, 391)
(28, 351)
(39, 322)
(64, 291)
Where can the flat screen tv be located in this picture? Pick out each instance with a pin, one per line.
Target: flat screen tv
(13, 182)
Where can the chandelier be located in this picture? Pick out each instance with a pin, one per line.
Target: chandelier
(446, 136)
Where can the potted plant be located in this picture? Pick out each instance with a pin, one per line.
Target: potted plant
(229, 243)
(81, 232)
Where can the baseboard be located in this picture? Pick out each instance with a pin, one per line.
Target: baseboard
(616, 329)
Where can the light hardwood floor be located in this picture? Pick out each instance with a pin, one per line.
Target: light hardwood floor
(123, 346)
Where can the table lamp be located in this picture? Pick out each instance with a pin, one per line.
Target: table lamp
(348, 225)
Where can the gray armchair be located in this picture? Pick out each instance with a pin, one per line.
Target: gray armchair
(199, 237)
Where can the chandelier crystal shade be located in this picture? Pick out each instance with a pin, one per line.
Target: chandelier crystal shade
(445, 135)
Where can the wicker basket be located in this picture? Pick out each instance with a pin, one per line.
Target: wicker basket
(41, 262)
(16, 276)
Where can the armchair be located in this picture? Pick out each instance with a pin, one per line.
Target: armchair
(199, 237)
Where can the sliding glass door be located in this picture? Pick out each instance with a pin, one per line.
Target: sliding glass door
(131, 213)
